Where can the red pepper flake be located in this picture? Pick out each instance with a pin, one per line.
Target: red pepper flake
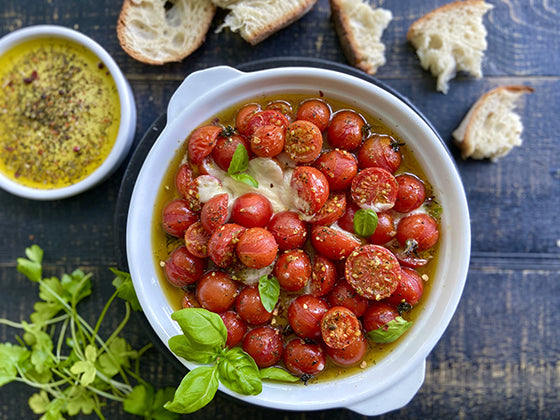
(100, 65)
(76, 149)
(34, 76)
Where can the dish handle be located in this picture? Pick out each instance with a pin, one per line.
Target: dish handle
(198, 84)
(393, 398)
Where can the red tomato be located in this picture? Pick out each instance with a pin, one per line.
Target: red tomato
(182, 268)
(311, 187)
(257, 248)
(189, 300)
(385, 230)
(282, 107)
(268, 141)
(263, 118)
(316, 111)
(304, 358)
(342, 294)
(380, 151)
(293, 270)
(305, 314)
(215, 212)
(192, 195)
(251, 210)
(421, 228)
(288, 229)
(183, 179)
(221, 246)
(409, 257)
(225, 148)
(346, 130)
(340, 327)
(249, 306)
(377, 315)
(304, 141)
(373, 271)
(333, 210)
(196, 240)
(264, 345)
(409, 290)
(236, 328)
(374, 188)
(350, 354)
(332, 243)
(216, 291)
(340, 168)
(177, 217)
(346, 222)
(323, 276)
(243, 116)
(411, 193)
(202, 141)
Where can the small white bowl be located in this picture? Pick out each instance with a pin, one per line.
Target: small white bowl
(393, 381)
(127, 125)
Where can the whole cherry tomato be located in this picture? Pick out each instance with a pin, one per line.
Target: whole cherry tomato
(420, 228)
(385, 230)
(339, 167)
(288, 230)
(177, 217)
(332, 243)
(305, 314)
(411, 193)
(251, 210)
(257, 248)
(349, 355)
(316, 111)
(182, 268)
(323, 276)
(222, 243)
(346, 130)
(202, 141)
(409, 290)
(215, 212)
(377, 315)
(236, 327)
(380, 151)
(216, 291)
(342, 294)
(225, 148)
(293, 270)
(304, 358)
(249, 306)
(264, 345)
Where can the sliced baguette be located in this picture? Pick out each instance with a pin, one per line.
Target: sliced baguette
(491, 128)
(154, 33)
(256, 20)
(451, 38)
(359, 28)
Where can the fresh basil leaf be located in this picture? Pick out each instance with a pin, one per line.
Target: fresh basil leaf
(391, 331)
(365, 222)
(197, 389)
(202, 327)
(239, 372)
(239, 161)
(246, 179)
(269, 291)
(277, 374)
(192, 350)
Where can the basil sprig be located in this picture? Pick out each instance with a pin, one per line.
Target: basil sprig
(269, 292)
(365, 222)
(391, 331)
(239, 164)
(204, 341)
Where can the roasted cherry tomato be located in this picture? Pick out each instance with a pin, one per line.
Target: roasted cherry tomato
(177, 217)
(340, 168)
(202, 141)
(409, 290)
(377, 315)
(225, 148)
(385, 230)
(264, 345)
(196, 240)
(182, 268)
(215, 212)
(420, 228)
(312, 189)
(293, 270)
(216, 291)
(222, 243)
(305, 314)
(315, 111)
(198, 187)
(349, 355)
(374, 188)
(411, 193)
(236, 328)
(304, 141)
(332, 243)
(340, 327)
(380, 151)
(346, 221)
(333, 210)
(373, 271)
(189, 300)
(263, 118)
(283, 107)
(304, 358)
(268, 141)
(342, 294)
(323, 276)
(257, 248)
(243, 116)
(251, 210)
(183, 179)
(288, 229)
(346, 130)
(249, 306)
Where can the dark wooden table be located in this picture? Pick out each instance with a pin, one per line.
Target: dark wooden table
(499, 358)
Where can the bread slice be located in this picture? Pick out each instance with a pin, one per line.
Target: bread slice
(491, 128)
(451, 38)
(256, 20)
(359, 27)
(163, 31)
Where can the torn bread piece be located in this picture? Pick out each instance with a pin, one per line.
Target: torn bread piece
(256, 20)
(163, 31)
(451, 38)
(359, 27)
(491, 128)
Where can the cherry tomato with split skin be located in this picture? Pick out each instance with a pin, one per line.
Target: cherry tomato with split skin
(265, 345)
(312, 189)
(377, 315)
(268, 141)
(339, 167)
(374, 188)
(216, 291)
(225, 148)
(293, 270)
(323, 276)
(183, 179)
(282, 107)
(200, 183)
(189, 300)
(346, 130)
(411, 193)
(409, 257)
(373, 271)
(386, 229)
(305, 314)
(243, 116)
(315, 111)
(409, 290)
(304, 358)
(202, 141)
(288, 230)
(349, 355)
(333, 210)
(251, 210)
(215, 212)
(249, 306)
(257, 248)
(420, 228)
(265, 118)
(380, 151)
(222, 243)
(346, 221)
(304, 141)
(342, 294)
(196, 240)
(340, 327)
(236, 328)
(182, 268)
(177, 217)
(332, 243)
